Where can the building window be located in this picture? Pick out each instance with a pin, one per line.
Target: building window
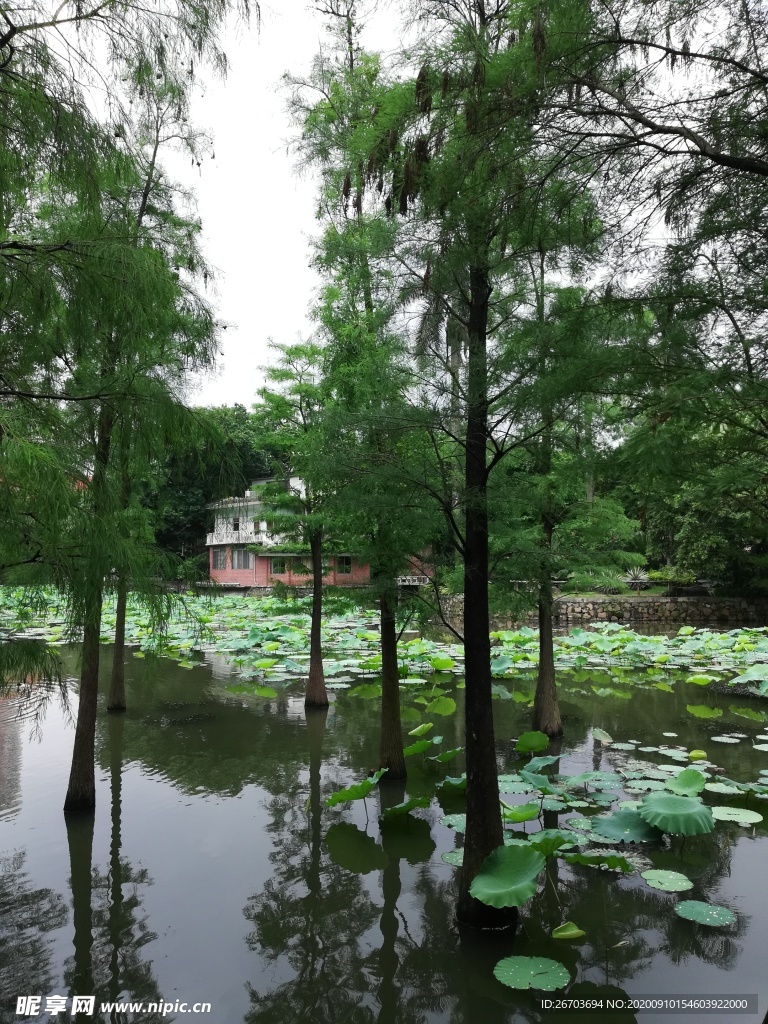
(236, 524)
(300, 567)
(344, 565)
(241, 558)
(219, 558)
(278, 566)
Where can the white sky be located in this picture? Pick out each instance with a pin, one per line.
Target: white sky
(258, 211)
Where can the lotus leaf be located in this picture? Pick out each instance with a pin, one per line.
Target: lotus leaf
(440, 663)
(441, 706)
(455, 857)
(760, 746)
(688, 782)
(724, 739)
(567, 930)
(549, 840)
(722, 787)
(405, 806)
(536, 972)
(678, 815)
(530, 742)
(697, 755)
(667, 881)
(739, 815)
(420, 746)
(602, 736)
(519, 813)
(626, 827)
(540, 762)
(507, 877)
(705, 913)
(420, 730)
(607, 861)
(458, 822)
(357, 791)
(452, 784)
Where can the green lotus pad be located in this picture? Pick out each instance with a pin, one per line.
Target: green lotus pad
(678, 815)
(689, 782)
(454, 857)
(567, 930)
(536, 972)
(626, 827)
(521, 812)
(458, 822)
(705, 913)
(667, 881)
(697, 755)
(531, 742)
(602, 735)
(507, 877)
(357, 791)
(739, 815)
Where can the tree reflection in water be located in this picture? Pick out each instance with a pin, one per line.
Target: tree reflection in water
(110, 927)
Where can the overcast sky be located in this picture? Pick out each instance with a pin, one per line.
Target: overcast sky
(258, 212)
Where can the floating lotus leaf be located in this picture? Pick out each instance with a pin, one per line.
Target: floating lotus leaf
(602, 735)
(629, 805)
(667, 881)
(739, 815)
(623, 746)
(673, 734)
(530, 742)
(644, 785)
(550, 803)
(665, 687)
(703, 711)
(521, 812)
(357, 791)
(607, 861)
(701, 678)
(760, 746)
(537, 972)
(688, 783)
(722, 787)
(724, 739)
(579, 823)
(567, 930)
(405, 806)
(626, 827)
(678, 815)
(458, 822)
(455, 857)
(705, 913)
(508, 876)
(550, 840)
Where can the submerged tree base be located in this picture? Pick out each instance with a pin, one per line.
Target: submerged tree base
(471, 913)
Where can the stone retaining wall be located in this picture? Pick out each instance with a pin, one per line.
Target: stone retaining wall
(690, 611)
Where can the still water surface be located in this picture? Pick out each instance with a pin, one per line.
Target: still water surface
(213, 872)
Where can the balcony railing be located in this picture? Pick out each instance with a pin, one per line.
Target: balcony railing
(237, 537)
(413, 581)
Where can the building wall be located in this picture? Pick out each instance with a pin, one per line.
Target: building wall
(259, 574)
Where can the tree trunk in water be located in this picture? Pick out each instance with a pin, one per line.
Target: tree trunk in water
(546, 708)
(80, 842)
(116, 699)
(116, 900)
(484, 828)
(391, 743)
(316, 695)
(81, 792)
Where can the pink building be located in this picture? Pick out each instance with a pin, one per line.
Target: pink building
(234, 559)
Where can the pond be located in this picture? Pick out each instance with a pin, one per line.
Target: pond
(214, 872)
